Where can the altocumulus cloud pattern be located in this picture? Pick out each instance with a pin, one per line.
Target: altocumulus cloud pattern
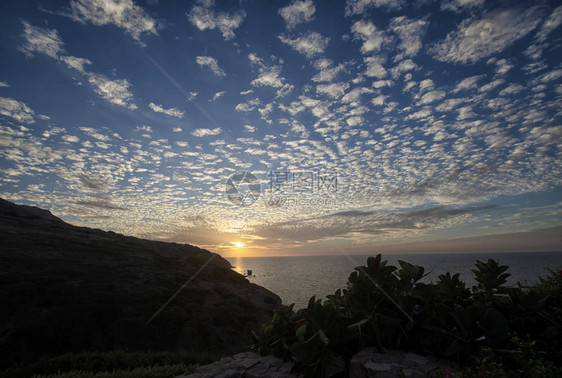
(131, 116)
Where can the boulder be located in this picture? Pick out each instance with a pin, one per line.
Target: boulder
(369, 362)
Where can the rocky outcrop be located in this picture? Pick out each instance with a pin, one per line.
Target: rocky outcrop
(367, 363)
(71, 289)
(247, 365)
(395, 364)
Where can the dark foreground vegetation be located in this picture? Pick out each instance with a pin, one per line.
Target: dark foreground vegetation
(117, 364)
(488, 331)
(75, 292)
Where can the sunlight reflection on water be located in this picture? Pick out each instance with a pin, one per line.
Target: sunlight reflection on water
(296, 278)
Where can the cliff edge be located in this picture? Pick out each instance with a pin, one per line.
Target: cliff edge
(71, 289)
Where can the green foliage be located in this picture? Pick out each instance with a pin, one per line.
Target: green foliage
(139, 372)
(119, 362)
(522, 360)
(490, 276)
(388, 307)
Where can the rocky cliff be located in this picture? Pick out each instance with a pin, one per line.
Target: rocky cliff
(67, 289)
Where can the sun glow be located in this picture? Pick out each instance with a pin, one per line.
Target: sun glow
(238, 244)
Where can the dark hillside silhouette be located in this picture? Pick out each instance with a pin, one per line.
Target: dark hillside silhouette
(71, 289)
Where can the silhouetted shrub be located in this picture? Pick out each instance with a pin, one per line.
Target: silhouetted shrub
(388, 307)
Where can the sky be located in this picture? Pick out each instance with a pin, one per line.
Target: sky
(258, 128)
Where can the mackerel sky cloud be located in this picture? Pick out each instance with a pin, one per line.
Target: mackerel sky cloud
(441, 120)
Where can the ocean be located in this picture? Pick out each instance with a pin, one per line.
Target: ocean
(296, 278)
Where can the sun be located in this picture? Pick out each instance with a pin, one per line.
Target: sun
(238, 244)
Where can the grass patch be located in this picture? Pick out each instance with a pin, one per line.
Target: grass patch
(139, 372)
(112, 364)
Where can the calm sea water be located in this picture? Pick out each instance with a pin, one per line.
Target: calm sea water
(296, 279)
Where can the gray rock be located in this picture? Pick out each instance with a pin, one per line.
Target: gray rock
(393, 364)
(247, 365)
(367, 363)
(230, 373)
(250, 362)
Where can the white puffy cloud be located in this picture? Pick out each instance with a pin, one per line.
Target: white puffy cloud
(42, 41)
(430, 97)
(248, 106)
(409, 85)
(75, 63)
(309, 44)
(465, 112)
(48, 42)
(552, 75)
(467, 83)
(480, 38)
(410, 33)
(173, 112)
(459, 5)
(426, 84)
(122, 13)
(334, 90)
(204, 17)
(266, 111)
(210, 62)
(3, 84)
(255, 151)
(284, 90)
(70, 138)
(375, 67)
(512, 89)
(382, 83)
(360, 6)
(17, 110)
(218, 95)
(354, 94)
(355, 121)
(269, 76)
(372, 38)
(552, 22)
(491, 85)
(143, 128)
(99, 136)
(503, 66)
(449, 104)
(115, 91)
(326, 70)
(420, 114)
(379, 100)
(298, 12)
(404, 66)
(206, 132)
